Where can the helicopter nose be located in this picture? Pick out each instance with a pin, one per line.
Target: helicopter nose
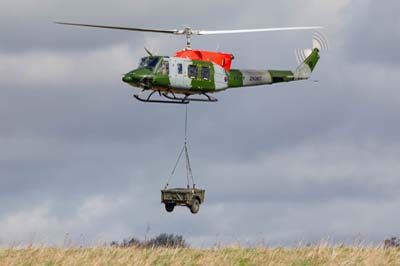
(127, 78)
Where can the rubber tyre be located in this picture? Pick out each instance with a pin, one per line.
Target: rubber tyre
(169, 207)
(195, 207)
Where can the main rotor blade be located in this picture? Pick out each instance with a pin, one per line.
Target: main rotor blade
(120, 28)
(211, 32)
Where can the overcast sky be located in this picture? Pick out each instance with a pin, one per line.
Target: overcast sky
(284, 164)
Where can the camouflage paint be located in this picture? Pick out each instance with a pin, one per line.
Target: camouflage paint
(220, 79)
(200, 84)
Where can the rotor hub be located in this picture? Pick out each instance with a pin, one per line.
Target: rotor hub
(188, 33)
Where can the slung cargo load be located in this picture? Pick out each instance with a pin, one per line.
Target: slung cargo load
(189, 197)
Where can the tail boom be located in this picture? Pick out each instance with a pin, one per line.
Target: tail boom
(245, 78)
(307, 59)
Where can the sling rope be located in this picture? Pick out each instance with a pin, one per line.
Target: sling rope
(189, 173)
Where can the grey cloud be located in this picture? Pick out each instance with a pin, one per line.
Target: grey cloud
(375, 26)
(32, 25)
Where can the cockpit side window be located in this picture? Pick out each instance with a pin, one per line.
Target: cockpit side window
(164, 69)
(149, 63)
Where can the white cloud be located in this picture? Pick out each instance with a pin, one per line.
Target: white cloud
(99, 207)
(94, 68)
(88, 225)
(32, 225)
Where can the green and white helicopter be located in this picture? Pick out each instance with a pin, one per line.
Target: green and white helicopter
(196, 72)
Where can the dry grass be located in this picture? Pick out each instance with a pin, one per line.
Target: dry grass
(107, 256)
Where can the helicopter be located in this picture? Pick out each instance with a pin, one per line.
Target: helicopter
(192, 75)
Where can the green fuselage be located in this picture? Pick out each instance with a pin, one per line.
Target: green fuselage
(186, 76)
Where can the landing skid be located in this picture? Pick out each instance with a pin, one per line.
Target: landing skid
(149, 100)
(187, 98)
(173, 99)
(137, 97)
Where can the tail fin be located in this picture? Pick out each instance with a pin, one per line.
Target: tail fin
(308, 58)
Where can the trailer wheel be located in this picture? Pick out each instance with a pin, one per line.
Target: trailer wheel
(169, 207)
(195, 206)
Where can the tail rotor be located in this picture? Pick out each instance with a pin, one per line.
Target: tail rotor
(319, 42)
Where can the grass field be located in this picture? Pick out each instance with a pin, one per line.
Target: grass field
(108, 256)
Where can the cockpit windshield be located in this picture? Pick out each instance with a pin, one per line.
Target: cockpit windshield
(149, 62)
